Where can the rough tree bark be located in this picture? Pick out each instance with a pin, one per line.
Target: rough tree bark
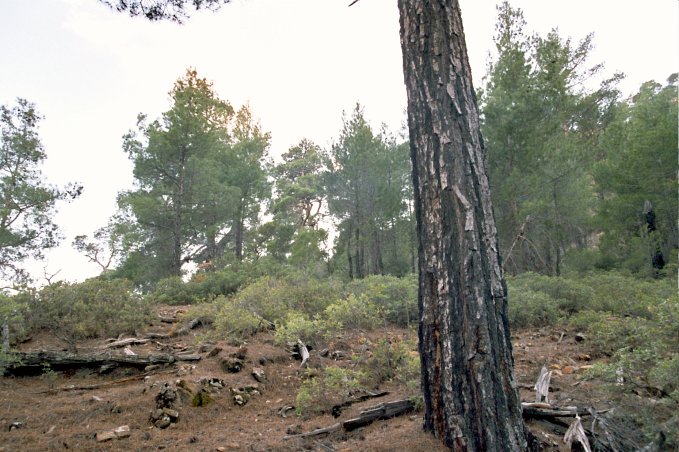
(470, 395)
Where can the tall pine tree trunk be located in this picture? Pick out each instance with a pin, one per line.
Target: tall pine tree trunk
(470, 395)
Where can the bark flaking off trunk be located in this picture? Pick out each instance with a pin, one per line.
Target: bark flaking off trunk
(471, 398)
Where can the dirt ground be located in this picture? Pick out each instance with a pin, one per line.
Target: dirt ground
(68, 410)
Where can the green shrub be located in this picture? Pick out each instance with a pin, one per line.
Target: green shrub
(93, 308)
(273, 297)
(235, 321)
(298, 326)
(395, 359)
(627, 295)
(396, 297)
(528, 308)
(174, 291)
(571, 296)
(335, 385)
(354, 313)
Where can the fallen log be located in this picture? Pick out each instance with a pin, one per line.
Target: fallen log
(547, 411)
(382, 411)
(337, 409)
(126, 342)
(34, 363)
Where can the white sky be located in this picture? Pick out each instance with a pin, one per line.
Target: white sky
(299, 63)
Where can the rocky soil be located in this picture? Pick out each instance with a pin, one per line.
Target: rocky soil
(218, 396)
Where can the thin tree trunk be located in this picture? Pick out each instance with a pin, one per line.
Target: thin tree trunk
(470, 395)
(178, 218)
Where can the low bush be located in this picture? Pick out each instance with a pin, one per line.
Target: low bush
(297, 326)
(93, 308)
(528, 308)
(395, 297)
(235, 321)
(335, 385)
(174, 291)
(395, 359)
(354, 313)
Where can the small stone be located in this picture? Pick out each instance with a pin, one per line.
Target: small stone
(15, 425)
(151, 367)
(567, 370)
(232, 365)
(105, 436)
(239, 400)
(241, 353)
(96, 399)
(258, 374)
(579, 337)
(204, 347)
(122, 432)
(163, 422)
(584, 357)
(214, 352)
(174, 414)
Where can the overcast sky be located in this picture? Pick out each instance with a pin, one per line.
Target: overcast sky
(298, 63)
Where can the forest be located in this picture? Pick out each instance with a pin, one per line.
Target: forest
(315, 243)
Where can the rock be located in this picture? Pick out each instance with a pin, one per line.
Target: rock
(584, 357)
(567, 370)
(166, 397)
(241, 353)
(231, 364)
(579, 337)
(174, 414)
(205, 346)
(151, 367)
(337, 355)
(122, 432)
(239, 400)
(163, 422)
(258, 374)
(127, 351)
(105, 436)
(214, 352)
(96, 399)
(15, 425)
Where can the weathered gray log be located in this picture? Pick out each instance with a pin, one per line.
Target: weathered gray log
(35, 362)
(126, 342)
(382, 411)
(320, 431)
(337, 409)
(540, 411)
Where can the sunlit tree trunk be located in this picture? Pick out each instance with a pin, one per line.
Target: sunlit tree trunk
(470, 395)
